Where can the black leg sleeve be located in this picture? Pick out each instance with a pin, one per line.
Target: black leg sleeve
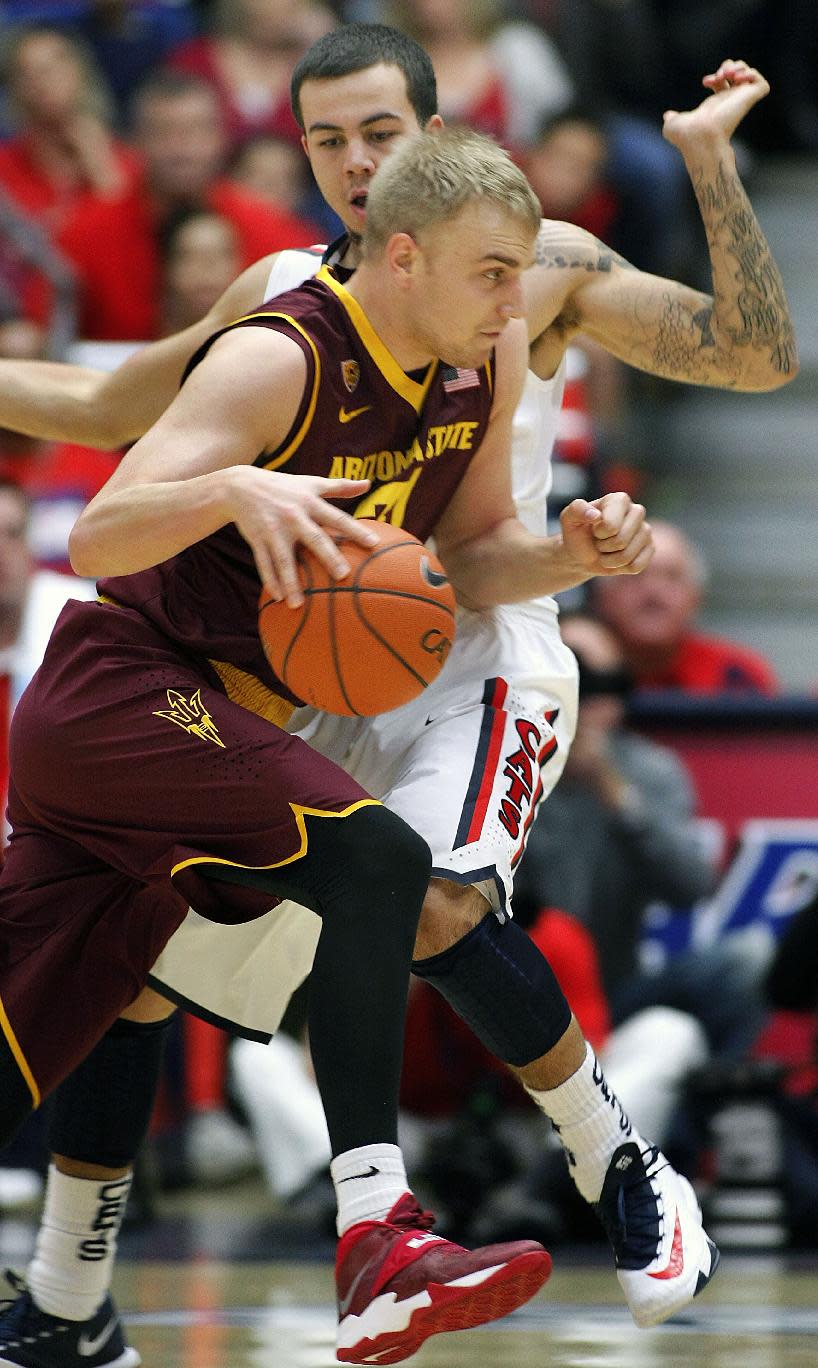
(102, 1110)
(501, 985)
(366, 876)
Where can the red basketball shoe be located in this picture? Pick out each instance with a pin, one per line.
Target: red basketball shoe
(398, 1284)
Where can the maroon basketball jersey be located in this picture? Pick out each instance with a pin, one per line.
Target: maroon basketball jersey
(361, 416)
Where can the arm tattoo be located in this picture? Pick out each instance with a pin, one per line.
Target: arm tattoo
(750, 301)
(686, 347)
(702, 319)
(560, 251)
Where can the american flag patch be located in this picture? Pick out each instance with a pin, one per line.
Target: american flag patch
(456, 379)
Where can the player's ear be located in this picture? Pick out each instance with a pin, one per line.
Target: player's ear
(402, 254)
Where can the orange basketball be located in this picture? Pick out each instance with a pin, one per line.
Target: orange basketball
(371, 641)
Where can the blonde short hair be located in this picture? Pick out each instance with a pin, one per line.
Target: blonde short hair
(430, 178)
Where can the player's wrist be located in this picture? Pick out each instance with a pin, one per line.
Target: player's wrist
(571, 570)
(706, 150)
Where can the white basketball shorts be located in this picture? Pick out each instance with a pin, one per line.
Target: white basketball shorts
(465, 764)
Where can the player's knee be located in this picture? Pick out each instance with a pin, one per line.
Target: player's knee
(450, 911)
(391, 850)
(373, 847)
(492, 965)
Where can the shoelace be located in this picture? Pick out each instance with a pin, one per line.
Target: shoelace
(634, 1229)
(17, 1306)
(414, 1219)
(16, 1282)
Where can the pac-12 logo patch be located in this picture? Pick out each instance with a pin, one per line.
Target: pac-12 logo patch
(351, 372)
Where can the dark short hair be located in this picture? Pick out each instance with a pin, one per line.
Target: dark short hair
(354, 47)
(170, 85)
(594, 115)
(169, 228)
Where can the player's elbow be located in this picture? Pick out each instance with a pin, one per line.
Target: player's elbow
(781, 365)
(784, 373)
(82, 550)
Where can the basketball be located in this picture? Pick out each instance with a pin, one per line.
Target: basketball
(371, 641)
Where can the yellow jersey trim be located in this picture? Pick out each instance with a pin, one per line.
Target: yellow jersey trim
(249, 692)
(283, 456)
(413, 392)
(299, 813)
(19, 1058)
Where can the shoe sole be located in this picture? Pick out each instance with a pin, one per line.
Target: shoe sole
(647, 1319)
(129, 1359)
(459, 1305)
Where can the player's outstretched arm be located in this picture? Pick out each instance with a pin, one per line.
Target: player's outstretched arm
(59, 402)
(193, 473)
(740, 337)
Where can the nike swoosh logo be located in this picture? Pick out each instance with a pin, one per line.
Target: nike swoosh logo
(676, 1262)
(433, 577)
(86, 1346)
(345, 1302)
(368, 1173)
(346, 415)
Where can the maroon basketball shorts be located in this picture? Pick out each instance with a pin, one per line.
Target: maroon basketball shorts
(132, 774)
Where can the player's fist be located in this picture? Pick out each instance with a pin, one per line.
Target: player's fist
(608, 536)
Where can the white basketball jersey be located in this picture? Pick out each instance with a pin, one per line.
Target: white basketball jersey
(535, 421)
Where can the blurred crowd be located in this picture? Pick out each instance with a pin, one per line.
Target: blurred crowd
(147, 155)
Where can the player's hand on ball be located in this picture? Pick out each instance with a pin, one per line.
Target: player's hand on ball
(609, 536)
(276, 513)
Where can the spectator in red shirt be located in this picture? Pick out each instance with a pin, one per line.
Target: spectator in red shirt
(497, 74)
(249, 59)
(61, 149)
(654, 616)
(566, 165)
(200, 255)
(63, 146)
(114, 242)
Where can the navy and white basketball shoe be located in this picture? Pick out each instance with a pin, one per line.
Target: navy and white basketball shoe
(31, 1338)
(664, 1256)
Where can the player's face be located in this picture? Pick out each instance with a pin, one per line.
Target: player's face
(466, 285)
(350, 124)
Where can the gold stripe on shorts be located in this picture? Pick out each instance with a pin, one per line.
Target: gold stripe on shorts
(250, 693)
(299, 813)
(244, 689)
(19, 1058)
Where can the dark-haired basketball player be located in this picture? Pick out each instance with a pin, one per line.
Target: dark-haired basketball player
(360, 93)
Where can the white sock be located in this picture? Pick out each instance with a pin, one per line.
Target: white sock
(368, 1182)
(70, 1273)
(590, 1122)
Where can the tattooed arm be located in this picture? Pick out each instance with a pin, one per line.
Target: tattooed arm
(741, 336)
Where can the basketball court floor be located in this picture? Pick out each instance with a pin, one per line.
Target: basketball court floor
(219, 1281)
